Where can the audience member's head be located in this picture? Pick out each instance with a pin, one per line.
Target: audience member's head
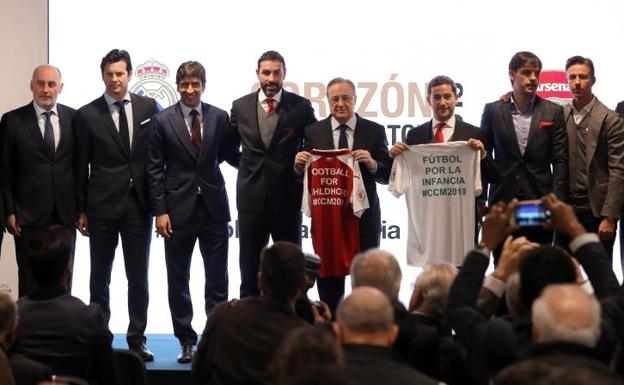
(542, 266)
(49, 256)
(431, 290)
(8, 318)
(282, 271)
(320, 376)
(366, 317)
(306, 350)
(565, 313)
(379, 269)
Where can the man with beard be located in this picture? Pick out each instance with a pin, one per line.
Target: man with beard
(269, 124)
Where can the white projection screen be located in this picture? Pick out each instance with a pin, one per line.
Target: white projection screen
(390, 49)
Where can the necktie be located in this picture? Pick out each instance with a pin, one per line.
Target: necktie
(124, 133)
(269, 105)
(342, 139)
(48, 133)
(196, 131)
(439, 136)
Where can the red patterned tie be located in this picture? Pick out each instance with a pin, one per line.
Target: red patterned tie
(439, 136)
(269, 105)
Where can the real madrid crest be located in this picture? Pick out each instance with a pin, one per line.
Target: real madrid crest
(152, 75)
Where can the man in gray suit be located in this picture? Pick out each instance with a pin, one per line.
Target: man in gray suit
(596, 148)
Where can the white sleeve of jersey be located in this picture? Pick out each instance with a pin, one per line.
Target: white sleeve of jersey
(477, 167)
(305, 199)
(359, 199)
(399, 176)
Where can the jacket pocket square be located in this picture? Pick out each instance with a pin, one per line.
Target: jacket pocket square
(544, 124)
(145, 121)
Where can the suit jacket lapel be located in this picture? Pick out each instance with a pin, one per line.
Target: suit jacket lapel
(176, 119)
(136, 124)
(107, 119)
(509, 130)
(208, 132)
(65, 128)
(535, 121)
(33, 122)
(594, 123)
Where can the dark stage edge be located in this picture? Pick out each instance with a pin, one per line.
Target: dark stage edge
(164, 370)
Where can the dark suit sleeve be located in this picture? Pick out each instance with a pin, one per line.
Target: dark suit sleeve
(155, 167)
(82, 157)
(230, 147)
(559, 156)
(488, 142)
(472, 329)
(7, 169)
(379, 152)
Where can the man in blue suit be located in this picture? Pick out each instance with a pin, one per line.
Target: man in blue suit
(187, 190)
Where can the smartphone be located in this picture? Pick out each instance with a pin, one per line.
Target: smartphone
(530, 214)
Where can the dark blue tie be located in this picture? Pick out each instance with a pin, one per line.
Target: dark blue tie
(342, 139)
(48, 133)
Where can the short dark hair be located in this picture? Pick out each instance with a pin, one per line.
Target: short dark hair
(272, 55)
(115, 56)
(191, 69)
(338, 80)
(522, 58)
(283, 270)
(542, 266)
(48, 254)
(439, 81)
(574, 60)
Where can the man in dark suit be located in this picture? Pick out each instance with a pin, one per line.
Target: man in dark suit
(37, 166)
(447, 127)
(367, 140)
(59, 330)
(269, 124)
(112, 134)
(187, 190)
(527, 136)
(365, 327)
(596, 148)
(25, 370)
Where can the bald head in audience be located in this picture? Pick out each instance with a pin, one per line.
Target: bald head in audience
(366, 317)
(8, 318)
(379, 269)
(566, 313)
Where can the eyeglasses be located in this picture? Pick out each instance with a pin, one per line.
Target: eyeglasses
(337, 99)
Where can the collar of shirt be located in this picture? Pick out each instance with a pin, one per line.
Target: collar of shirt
(262, 98)
(447, 130)
(585, 110)
(350, 123)
(529, 109)
(110, 101)
(39, 111)
(186, 111)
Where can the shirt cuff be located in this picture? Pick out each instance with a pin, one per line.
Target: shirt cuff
(582, 240)
(495, 285)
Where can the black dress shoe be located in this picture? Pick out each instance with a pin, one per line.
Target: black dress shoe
(143, 352)
(186, 354)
